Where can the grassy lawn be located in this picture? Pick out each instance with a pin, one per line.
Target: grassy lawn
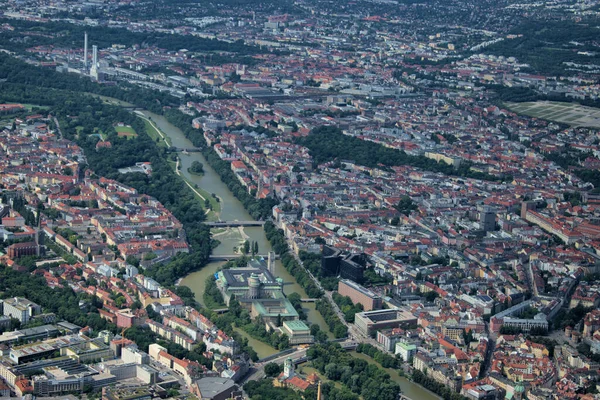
(153, 133)
(216, 206)
(305, 369)
(568, 113)
(30, 106)
(125, 131)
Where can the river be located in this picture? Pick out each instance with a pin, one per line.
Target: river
(409, 389)
(232, 209)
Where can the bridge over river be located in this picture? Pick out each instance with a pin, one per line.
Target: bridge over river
(229, 257)
(185, 149)
(231, 224)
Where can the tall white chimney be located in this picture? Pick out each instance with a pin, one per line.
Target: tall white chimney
(94, 56)
(85, 50)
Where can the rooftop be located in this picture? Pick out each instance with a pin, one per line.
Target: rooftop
(296, 325)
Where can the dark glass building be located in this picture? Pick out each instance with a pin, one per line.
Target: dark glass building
(347, 266)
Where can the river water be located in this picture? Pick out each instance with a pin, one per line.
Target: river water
(232, 209)
(409, 389)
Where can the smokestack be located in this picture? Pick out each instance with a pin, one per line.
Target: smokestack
(94, 56)
(85, 50)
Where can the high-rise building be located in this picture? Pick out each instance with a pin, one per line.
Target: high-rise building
(347, 266)
(487, 219)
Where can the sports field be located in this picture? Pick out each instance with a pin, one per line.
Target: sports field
(126, 131)
(567, 113)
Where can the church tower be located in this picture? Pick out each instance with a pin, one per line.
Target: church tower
(288, 368)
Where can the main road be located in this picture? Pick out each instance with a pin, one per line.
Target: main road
(353, 331)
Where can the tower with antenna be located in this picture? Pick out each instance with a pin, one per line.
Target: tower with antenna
(85, 51)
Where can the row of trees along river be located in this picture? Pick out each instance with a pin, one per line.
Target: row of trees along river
(230, 208)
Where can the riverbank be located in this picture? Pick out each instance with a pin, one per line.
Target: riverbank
(208, 210)
(409, 388)
(233, 209)
(156, 128)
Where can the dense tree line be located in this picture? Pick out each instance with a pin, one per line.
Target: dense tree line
(212, 296)
(279, 244)
(312, 262)
(276, 238)
(264, 390)
(296, 301)
(258, 208)
(347, 306)
(184, 123)
(22, 82)
(571, 317)
(386, 360)
(335, 325)
(84, 118)
(301, 276)
(64, 302)
(438, 388)
(328, 143)
(545, 45)
(362, 378)
(64, 34)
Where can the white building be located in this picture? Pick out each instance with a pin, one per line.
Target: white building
(406, 350)
(20, 308)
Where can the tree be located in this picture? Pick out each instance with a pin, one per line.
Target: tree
(340, 331)
(431, 296)
(246, 248)
(255, 248)
(133, 261)
(272, 369)
(196, 168)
